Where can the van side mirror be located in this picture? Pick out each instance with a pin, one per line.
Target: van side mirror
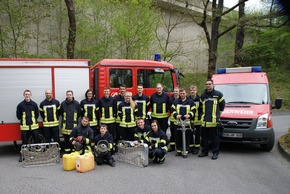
(278, 103)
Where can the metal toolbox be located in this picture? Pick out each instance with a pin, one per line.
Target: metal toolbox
(136, 154)
(40, 154)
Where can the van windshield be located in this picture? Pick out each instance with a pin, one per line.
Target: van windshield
(245, 93)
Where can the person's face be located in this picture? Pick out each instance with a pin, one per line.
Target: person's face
(69, 96)
(182, 94)
(85, 122)
(27, 96)
(140, 89)
(176, 92)
(159, 89)
(193, 91)
(209, 86)
(140, 123)
(106, 93)
(122, 90)
(103, 131)
(127, 98)
(154, 127)
(48, 94)
(90, 95)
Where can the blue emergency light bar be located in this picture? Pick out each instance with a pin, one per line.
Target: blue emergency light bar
(239, 70)
(157, 57)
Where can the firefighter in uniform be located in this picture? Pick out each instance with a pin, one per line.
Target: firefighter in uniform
(104, 157)
(141, 131)
(213, 103)
(108, 112)
(159, 104)
(49, 110)
(83, 135)
(142, 102)
(90, 108)
(118, 99)
(183, 109)
(127, 111)
(70, 112)
(173, 120)
(195, 145)
(157, 143)
(27, 112)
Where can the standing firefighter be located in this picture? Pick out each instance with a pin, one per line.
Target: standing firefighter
(173, 121)
(108, 112)
(70, 112)
(213, 103)
(195, 144)
(142, 103)
(126, 112)
(27, 113)
(159, 103)
(49, 110)
(183, 110)
(89, 108)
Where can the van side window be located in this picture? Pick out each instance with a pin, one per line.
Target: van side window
(149, 78)
(120, 76)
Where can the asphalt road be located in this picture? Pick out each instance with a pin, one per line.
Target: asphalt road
(239, 169)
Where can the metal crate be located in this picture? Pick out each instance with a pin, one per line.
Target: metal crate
(130, 153)
(40, 154)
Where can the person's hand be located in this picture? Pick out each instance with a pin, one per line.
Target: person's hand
(186, 116)
(178, 116)
(73, 142)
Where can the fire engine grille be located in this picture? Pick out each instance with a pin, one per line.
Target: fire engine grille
(237, 123)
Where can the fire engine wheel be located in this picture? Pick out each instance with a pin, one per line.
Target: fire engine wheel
(268, 146)
(40, 136)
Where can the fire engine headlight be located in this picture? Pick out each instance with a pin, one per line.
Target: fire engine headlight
(262, 121)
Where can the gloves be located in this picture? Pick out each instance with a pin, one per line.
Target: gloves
(79, 139)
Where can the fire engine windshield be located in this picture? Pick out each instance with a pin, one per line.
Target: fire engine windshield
(149, 79)
(245, 93)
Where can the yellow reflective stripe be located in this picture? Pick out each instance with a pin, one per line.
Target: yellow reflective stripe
(51, 124)
(221, 99)
(163, 141)
(24, 118)
(159, 115)
(26, 127)
(66, 131)
(111, 118)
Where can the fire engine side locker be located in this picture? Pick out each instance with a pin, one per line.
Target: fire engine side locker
(37, 75)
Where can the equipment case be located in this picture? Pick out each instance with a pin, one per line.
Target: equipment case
(130, 153)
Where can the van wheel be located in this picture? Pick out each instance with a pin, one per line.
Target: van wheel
(268, 146)
(40, 136)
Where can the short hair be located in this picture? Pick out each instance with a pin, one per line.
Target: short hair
(85, 117)
(182, 89)
(209, 80)
(193, 87)
(69, 91)
(26, 91)
(123, 85)
(106, 88)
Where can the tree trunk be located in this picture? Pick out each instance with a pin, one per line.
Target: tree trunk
(238, 59)
(72, 29)
(217, 10)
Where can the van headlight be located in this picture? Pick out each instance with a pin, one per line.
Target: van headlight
(262, 121)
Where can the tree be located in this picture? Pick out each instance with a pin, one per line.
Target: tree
(212, 37)
(72, 29)
(240, 35)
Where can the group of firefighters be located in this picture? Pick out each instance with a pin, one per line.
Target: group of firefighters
(131, 118)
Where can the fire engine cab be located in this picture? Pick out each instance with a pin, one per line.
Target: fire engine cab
(247, 114)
